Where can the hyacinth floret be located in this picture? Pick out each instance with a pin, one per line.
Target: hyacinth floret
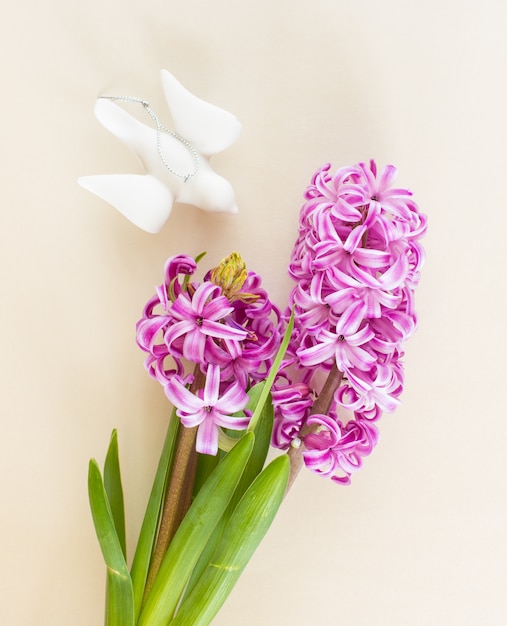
(208, 409)
(356, 263)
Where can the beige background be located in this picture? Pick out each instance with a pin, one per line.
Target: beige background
(419, 537)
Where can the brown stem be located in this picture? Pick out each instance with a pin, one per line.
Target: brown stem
(321, 406)
(179, 491)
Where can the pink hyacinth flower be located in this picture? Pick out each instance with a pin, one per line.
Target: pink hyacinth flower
(336, 450)
(208, 410)
(199, 318)
(344, 343)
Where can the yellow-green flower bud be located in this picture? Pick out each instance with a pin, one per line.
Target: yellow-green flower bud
(230, 274)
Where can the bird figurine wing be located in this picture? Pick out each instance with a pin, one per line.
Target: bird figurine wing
(208, 127)
(142, 199)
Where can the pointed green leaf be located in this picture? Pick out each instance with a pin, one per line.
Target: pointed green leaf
(114, 489)
(147, 536)
(263, 430)
(245, 530)
(193, 534)
(119, 602)
(253, 468)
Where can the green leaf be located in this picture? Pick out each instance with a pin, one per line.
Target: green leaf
(272, 373)
(114, 489)
(193, 534)
(119, 601)
(147, 536)
(245, 530)
(263, 430)
(200, 256)
(253, 468)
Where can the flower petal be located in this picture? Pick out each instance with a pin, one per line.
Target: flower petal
(148, 329)
(317, 354)
(222, 331)
(207, 437)
(211, 386)
(234, 399)
(181, 397)
(203, 293)
(193, 346)
(229, 421)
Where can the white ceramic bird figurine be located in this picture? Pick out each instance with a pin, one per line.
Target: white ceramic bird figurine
(176, 163)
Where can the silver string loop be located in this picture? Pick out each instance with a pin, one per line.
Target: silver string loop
(161, 128)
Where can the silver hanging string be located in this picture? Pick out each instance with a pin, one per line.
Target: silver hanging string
(160, 129)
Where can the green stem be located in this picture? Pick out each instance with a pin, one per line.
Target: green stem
(321, 406)
(179, 491)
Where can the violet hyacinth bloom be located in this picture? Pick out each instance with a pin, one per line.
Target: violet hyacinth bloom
(225, 327)
(208, 409)
(336, 449)
(198, 318)
(356, 263)
(343, 342)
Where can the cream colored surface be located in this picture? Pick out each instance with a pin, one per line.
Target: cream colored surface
(419, 537)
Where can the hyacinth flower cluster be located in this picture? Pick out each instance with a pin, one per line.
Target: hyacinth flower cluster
(208, 342)
(356, 263)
